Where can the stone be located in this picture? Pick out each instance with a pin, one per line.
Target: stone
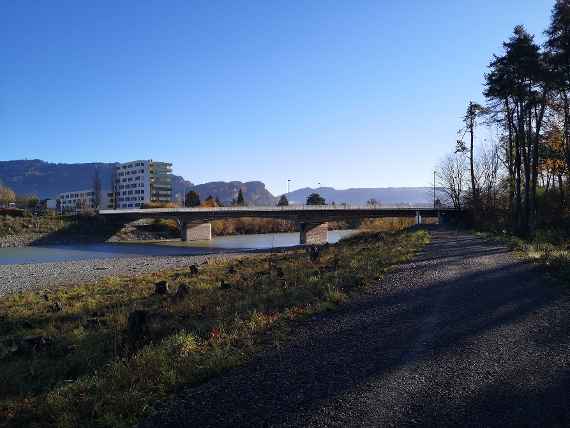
(224, 285)
(232, 270)
(161, 288)
(137, 324)
(194, 269)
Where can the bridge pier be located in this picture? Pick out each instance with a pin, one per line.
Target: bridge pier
(418, 217)
(314, 233)
(196, 232)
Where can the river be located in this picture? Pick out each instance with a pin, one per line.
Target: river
(59, 253)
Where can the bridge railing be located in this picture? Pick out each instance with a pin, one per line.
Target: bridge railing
(273, 208)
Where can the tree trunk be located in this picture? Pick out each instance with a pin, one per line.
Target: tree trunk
(539, 116)
(561, 188)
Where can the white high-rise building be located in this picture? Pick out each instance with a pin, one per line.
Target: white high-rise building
(141, 182)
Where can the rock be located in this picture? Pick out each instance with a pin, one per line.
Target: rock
(55, 307)
(224, 285)
(232, 270)
(137, 324)
(161, 288)
(194, 269)
(182, 291)
(279, 272)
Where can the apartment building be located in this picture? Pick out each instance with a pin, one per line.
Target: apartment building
(82, 200)
(141, 182)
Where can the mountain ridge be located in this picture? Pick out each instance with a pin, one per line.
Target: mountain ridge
(47, 179)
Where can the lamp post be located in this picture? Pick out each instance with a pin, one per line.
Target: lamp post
(288, 186)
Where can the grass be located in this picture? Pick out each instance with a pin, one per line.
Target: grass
(67, 359)
(10, 225)
(547, 248)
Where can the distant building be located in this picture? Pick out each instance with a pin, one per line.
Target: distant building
(82, 200)
(140, 182)
(51, 204)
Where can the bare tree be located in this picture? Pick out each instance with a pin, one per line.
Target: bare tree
(96, 190)
(452, 179)
(488, 170)
(7, 196)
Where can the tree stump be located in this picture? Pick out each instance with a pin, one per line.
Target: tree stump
(161, 288)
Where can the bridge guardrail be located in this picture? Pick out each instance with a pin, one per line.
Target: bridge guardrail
(273, 208)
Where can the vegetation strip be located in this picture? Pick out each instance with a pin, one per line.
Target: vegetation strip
(103, 354)
(550, 249)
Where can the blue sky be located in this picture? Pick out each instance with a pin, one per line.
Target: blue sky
(342, 93)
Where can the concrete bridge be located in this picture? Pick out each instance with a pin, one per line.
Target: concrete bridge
(311, 219)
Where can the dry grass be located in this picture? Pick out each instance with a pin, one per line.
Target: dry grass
(246, 226)
(26, 224)
(550, 249)
(85, 370)
(387, 224)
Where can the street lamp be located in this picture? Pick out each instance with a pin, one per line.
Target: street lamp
(288, 186)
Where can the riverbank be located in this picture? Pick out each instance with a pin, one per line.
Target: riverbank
(27, 231)
(17, 232)
(16, 278)
(102, 353)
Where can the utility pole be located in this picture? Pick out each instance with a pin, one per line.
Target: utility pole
(288, 187)
(434, 189)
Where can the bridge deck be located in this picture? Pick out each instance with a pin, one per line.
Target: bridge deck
(292, 212)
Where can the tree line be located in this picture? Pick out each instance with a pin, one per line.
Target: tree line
(521, 178)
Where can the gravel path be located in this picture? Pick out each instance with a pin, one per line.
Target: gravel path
(464, 335)
(14, 278)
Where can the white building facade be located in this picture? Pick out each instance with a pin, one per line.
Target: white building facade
(142, 182)
(82, 200)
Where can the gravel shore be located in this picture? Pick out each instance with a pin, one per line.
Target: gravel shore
(14, 278)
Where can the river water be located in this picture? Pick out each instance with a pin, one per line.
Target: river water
(59, 253)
